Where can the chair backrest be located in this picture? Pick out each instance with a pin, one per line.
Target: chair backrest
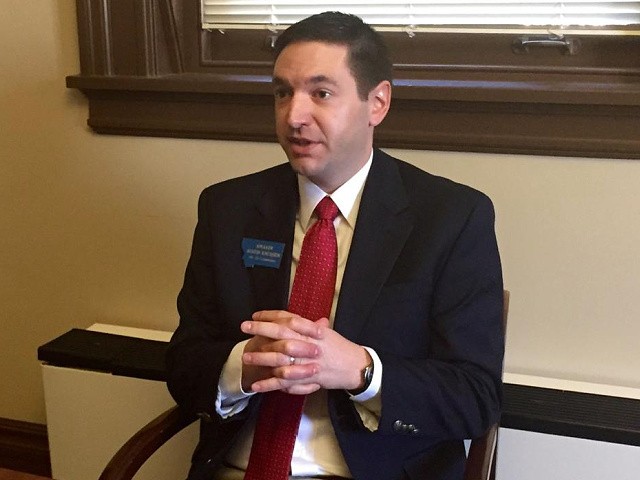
(481, 463)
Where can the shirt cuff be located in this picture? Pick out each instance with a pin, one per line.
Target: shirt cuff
(231, 399)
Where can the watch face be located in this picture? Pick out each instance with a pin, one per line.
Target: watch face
(368, 375)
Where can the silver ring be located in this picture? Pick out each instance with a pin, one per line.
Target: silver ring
(292, 360)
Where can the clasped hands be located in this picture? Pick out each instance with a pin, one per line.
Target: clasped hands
(290, 353)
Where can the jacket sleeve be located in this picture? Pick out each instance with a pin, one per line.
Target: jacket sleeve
(455, 390)
(206, 335)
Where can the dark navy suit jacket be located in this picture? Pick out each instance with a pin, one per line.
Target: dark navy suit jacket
(422, 286)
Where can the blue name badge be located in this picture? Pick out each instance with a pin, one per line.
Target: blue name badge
(262, 253)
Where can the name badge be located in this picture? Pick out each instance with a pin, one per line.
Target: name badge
(262, 253)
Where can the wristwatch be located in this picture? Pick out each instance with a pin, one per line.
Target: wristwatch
(367, 377)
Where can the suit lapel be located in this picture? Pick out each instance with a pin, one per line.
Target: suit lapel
(274, 220)
(383, 225)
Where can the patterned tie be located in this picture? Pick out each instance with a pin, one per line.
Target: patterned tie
(311, 297)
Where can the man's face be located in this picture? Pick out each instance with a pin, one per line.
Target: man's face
(324, 127)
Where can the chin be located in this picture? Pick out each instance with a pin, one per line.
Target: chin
(303, 165)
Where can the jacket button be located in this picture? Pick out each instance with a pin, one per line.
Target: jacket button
(398, 426)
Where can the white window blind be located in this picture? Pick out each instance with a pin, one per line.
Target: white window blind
(420, 14)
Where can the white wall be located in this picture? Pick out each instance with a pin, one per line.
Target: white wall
(98, 228)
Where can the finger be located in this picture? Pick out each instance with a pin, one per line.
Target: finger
(323, 322)
(272, 315)
(275, 331)
(302, 389)
(295, 322)
(285, 377)
(270, 359)
(292, 348)
(296, 372)
(296, 328)
(272, 384)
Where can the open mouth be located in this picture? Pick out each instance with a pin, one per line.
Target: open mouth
(303, 142)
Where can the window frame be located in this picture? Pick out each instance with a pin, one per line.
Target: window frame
(148, 69)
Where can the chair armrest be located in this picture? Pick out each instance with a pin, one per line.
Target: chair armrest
(132, 455)
(481, 455)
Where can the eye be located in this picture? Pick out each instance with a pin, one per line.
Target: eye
(280, 93)
(323, 94)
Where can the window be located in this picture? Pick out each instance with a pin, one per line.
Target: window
(417, 15)
(149, 68)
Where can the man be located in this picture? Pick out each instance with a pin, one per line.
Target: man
(407, 360)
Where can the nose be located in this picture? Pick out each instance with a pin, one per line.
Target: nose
(299, 111)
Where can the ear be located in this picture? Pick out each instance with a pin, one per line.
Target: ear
(379, 102)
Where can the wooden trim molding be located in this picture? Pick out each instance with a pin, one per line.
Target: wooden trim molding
(463, 92)
(24, 447)
(224, 108)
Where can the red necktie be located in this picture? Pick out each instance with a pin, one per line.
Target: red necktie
(311, 297)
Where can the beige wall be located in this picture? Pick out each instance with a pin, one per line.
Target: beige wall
(98, 228)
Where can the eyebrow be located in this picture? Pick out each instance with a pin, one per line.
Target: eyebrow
(277, 81)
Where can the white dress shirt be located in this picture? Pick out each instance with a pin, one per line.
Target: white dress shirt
(316, 450)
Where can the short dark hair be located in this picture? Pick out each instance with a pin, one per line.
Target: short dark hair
(368, 56)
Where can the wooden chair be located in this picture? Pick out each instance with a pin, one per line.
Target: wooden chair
(136, 451)
(481, 459)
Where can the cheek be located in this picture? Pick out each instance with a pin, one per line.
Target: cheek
(280, 112)
(278, 116)
(349, 127)
(336, 123)
(282, 130)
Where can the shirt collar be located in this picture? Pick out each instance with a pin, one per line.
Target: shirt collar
(344, 197)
